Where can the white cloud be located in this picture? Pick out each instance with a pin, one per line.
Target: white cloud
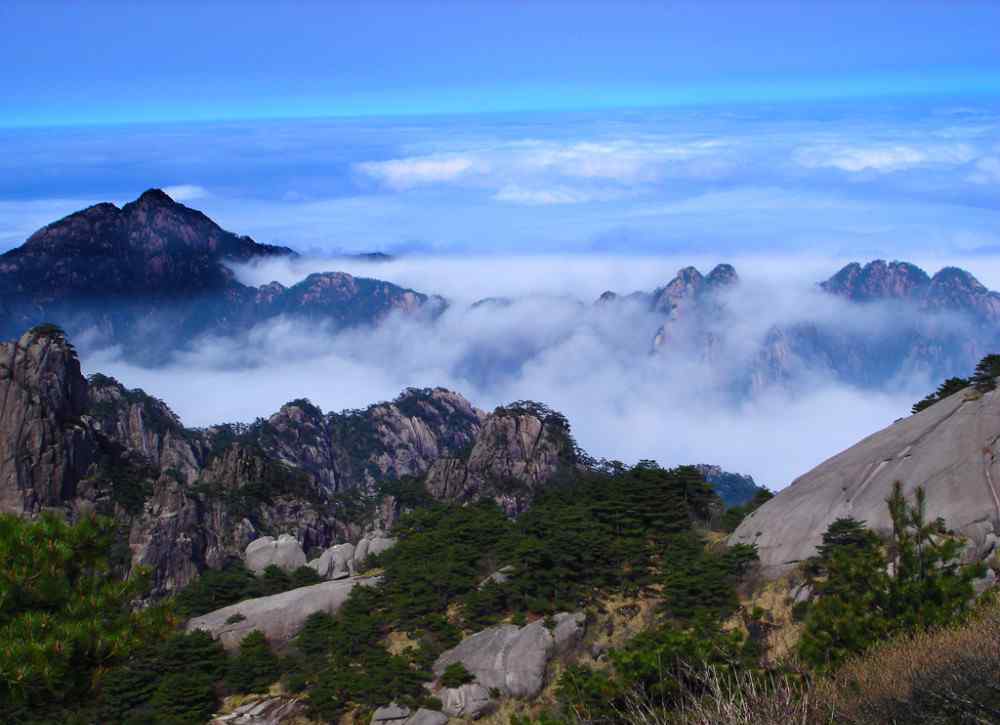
(514, 194)
(881, 158)
(185, 192)
(552, 344)
(417, 171)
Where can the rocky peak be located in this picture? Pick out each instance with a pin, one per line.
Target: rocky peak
(878, 280)
(45, 447)
(723, 275)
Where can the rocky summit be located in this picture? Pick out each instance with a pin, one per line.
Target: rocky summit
(949, 449)
(187, 499)
(155, 264)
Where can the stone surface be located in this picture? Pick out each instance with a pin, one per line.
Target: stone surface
(984, 583)
(391, 713)
(285, 552)
(189, 499)
(514, 659)
(45, 447)
(279, 616)
(470, 701)
(264, 711)
(950, 449)
(427, 717)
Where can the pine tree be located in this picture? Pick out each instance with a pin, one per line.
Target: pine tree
(987, 371)
(255, 667)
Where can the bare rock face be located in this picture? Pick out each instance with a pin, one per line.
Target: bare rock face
(951, 449)
(513, 659)
(469, 702)
(518, 450)
(279, 616)
(276, 710)
(45, 446)
(285, 552)
(191, 499)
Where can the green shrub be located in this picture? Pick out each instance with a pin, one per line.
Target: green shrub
(455, 675)
(860, 602)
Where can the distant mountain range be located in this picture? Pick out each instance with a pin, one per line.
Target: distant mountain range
(152, 276)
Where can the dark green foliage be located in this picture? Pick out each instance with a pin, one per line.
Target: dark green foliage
(861, 602)
(64, 616)
(255, 667)
(455, 675)
(698, 582)
(844, 534)
(443, 553)
(734, 516)
(658, 666)
(129, 691)
(983, 379)
(342, 661)
(986, 373)
(184, 698)
(948, 387)
(217, 588)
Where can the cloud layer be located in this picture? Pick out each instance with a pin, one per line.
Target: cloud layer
(552, 344)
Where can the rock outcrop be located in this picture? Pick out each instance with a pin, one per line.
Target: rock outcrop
(508, 659)
(268, 710)
(344, 560)
(950, 449)
(518, 449)
(279, 616)
(195, 498)
(393, 714)
(285, 552)
(45, 447)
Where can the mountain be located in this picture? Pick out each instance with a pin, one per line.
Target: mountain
(156, 266)
(950, 449)
(186, 499)
(734, 489)
(894, 319)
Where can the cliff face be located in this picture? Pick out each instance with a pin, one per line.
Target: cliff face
(193, 498)
(45, 447)
(950, 449)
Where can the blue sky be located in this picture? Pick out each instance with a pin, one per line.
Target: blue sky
(858, 129)
(106, 62)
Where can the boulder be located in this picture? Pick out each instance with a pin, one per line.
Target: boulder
(427, 717)
(469, 701)
(500, 576)
(285, 553)
(391, 713)
(371, 545)
(987, 582)
(279, 616)
(952, 449)
(514, 659)
(337, 562)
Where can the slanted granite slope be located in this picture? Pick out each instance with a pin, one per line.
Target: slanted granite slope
(951, 449)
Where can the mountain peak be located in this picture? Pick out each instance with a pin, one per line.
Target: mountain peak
(154, 196)
(878, 279)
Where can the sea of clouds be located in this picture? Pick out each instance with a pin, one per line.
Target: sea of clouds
(541, 337)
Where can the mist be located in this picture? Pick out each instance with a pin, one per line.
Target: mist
(544, 339)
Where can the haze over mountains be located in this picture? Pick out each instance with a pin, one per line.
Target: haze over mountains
(159, 295)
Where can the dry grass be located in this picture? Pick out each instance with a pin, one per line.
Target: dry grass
(733, 699)
(945, 676)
